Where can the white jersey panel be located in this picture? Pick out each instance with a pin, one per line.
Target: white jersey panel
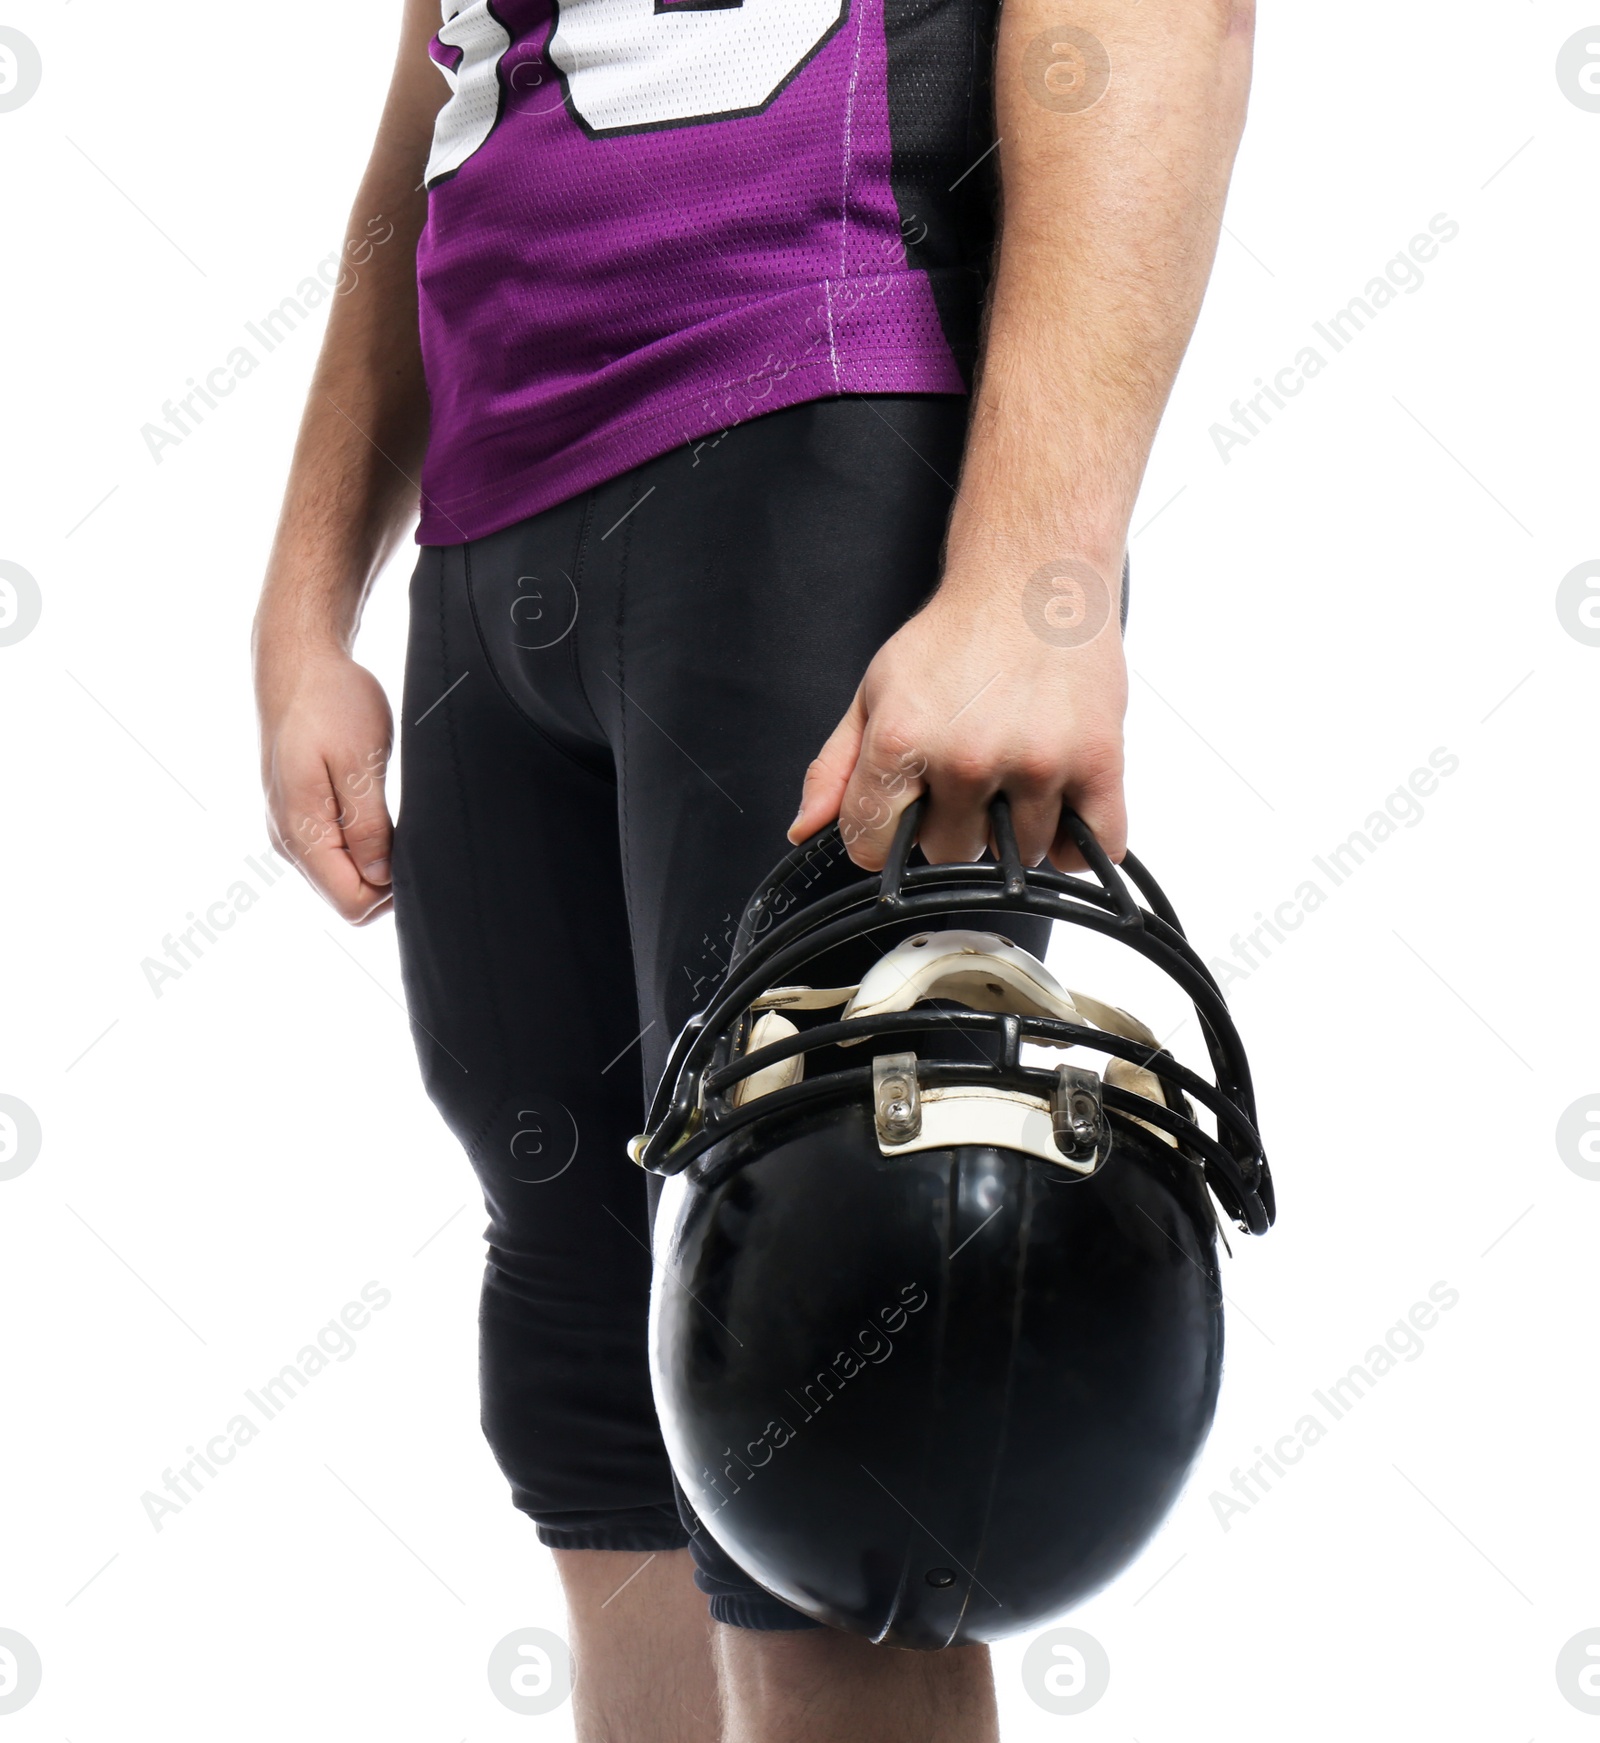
(468, 118)
(630, 65)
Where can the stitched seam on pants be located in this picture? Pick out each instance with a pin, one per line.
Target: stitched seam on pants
(585, 523)
(475, 907)
(620, 754)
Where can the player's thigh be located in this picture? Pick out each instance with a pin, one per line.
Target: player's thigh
(519, 980)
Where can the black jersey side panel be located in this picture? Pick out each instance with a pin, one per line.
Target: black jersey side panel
(944, 168)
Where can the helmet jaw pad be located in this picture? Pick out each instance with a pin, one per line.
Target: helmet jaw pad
(768, 1028)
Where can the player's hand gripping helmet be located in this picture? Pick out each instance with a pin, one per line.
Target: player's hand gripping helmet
(936, 1335)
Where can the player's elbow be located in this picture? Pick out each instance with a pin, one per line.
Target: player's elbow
(1233, 24)
(1237, 18)
(1229, 21)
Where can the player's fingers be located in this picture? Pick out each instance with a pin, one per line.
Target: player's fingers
(364, 820)
(955, 821)
(887, 776)
(304, 817)
(1035, 815)
(829, 774)
(1097, 797)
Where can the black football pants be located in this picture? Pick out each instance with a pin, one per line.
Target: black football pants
(608, 712)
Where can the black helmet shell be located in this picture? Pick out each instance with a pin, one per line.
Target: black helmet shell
(936, 1332)
(942, 1397)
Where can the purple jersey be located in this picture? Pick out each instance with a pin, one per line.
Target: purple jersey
(649, 220)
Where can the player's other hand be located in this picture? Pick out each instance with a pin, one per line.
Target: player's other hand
(326, 735)
(990, 688)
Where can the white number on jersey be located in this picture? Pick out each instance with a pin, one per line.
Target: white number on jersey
(631, 64)
(468, 118)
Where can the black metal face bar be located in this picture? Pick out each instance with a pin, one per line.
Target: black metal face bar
(905, 838)
(703, 1056)
(694, 1158)
(876, 890)
(821, 845)
(1009, 855)
(930, 891)
(1242, 1177)
(867, 894)
(1112, 892)
(1036, 1029)
(1153, 927)
(1152, 893)
(1110, 879)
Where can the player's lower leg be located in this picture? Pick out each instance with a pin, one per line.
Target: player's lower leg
(822, 1686)
(641, 1648)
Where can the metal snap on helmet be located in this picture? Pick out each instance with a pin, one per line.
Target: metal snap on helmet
(936, 1334)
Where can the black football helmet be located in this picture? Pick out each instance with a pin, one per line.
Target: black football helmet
(936, 1333)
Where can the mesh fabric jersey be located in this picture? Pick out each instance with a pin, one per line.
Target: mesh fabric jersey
(651, 220)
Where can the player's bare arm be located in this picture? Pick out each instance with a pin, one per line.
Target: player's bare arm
(1013, 678)
(326, 729)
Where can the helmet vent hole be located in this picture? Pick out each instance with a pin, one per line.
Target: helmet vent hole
(994, 986)
(917, 943)
(940, 1576)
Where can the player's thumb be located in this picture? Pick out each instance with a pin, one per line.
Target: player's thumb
(364, 818)
(829, 773)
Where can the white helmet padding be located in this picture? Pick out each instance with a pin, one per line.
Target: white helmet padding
(769, 1027)
(980, 970)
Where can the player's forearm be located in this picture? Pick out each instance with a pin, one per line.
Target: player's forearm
(352, 486)
(1111, 218)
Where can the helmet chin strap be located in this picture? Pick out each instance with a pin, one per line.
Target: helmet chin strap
(981, 970)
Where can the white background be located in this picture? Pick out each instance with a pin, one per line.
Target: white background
(1372, 577)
